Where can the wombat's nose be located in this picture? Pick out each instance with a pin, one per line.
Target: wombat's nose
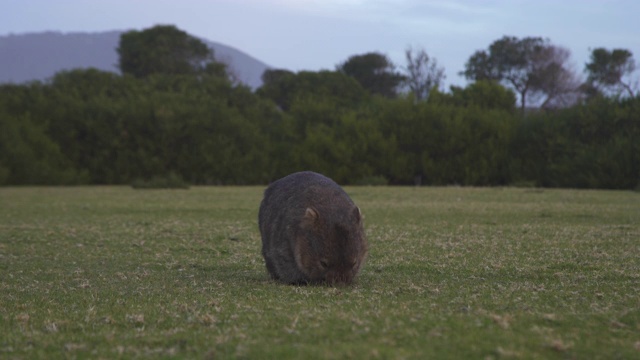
(336, 279)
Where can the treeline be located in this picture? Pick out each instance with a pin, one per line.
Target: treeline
(94, 127)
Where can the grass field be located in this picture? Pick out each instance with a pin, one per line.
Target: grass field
(490, 273)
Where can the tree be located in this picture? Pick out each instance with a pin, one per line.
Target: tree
(609, 70)
(167, 50)
(374, 71)
(531, 66)
(272, 76)
(28, 156)
(483, 94)
(553, 80)
(279, 86)
(286, 88)
(423, 73)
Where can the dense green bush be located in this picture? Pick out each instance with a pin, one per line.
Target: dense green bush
(93, 127)
(592, 145)
(169, 181)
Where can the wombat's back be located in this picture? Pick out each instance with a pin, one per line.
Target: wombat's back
(311, 230)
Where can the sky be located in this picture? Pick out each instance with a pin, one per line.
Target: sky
(319, 34)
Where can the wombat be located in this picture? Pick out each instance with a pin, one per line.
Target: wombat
(311, 231)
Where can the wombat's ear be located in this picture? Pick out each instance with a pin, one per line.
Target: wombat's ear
(310, 216)
(357, 214)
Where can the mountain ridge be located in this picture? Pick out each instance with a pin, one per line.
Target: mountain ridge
(37, 56)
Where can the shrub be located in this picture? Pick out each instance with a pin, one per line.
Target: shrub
(374, 180)
(169, 181)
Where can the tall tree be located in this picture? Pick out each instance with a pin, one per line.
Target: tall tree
(272, 76)
(610, 70)
(423, 73)
(374, 71)
(554, 81)
(532, 66)
(286, 88)
(484, 94)
(167, 50)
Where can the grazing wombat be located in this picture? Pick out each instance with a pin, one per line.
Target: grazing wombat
(311, 231)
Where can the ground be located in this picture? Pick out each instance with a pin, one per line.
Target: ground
(112, 272)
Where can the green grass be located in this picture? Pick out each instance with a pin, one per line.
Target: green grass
(110, 272)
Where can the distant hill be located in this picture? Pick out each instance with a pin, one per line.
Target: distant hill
(38, 56)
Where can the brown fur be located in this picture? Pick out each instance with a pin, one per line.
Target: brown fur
(311, 231)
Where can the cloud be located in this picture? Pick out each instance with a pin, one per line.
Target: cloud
(460, 7)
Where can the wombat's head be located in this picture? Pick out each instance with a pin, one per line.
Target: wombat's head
(331, 247)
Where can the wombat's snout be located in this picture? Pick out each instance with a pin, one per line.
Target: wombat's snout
(337, 279)
(342, 275)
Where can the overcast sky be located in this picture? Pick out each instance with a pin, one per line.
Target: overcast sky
(318, 34)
